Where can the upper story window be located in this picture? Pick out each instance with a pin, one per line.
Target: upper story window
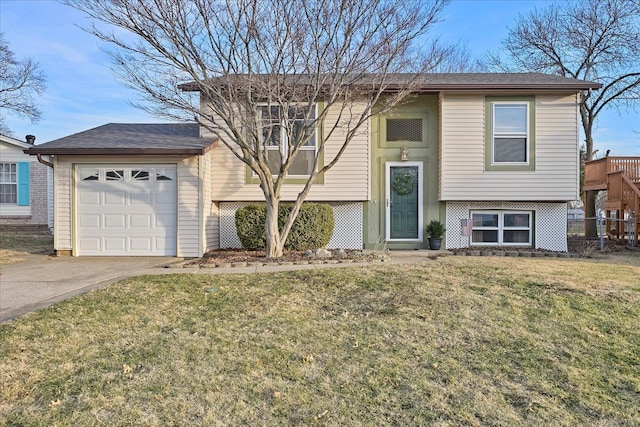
(510, 133)
(8, 183)
(280, 129)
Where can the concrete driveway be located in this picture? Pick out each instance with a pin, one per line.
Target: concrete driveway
(41, 280)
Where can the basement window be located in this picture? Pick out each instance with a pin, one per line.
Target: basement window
(501, 228)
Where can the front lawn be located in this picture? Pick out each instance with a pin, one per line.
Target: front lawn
(458, 341)
(14, 246)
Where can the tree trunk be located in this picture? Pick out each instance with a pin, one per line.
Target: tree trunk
(590, 225)
(274, 247)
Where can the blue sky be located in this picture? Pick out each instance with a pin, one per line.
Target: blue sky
(83, 93)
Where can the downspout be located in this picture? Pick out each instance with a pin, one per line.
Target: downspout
(43, 161)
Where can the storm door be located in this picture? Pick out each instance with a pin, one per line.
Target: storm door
(404, 201)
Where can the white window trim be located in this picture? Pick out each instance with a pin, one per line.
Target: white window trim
(285, 146)
(388, 166)
(501, 228)
(14, 183)
(526, 135)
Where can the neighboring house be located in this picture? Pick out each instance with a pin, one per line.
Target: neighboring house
(25, 185)
(497, 151)
(575, 214)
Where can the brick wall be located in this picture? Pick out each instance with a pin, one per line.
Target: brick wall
(39, 209)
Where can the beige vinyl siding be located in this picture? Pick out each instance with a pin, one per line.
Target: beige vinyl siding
(62, 205)
(348, 180)
(188, 244)
(463, 174)
(189, 208)
(210, 215)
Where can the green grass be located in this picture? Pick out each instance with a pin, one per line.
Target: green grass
(460, 341)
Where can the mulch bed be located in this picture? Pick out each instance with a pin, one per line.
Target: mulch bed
(234, 256)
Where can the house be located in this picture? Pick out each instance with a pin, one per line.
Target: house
(495, 152)
(25, 185)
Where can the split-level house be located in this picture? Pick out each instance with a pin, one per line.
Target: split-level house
(493, 156)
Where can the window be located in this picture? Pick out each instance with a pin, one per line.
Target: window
(8, 183)
(510, 134)
(279, 131)
(501, 228)
(139, 175)
(114, 175)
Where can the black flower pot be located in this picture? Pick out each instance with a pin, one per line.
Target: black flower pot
(435, 243)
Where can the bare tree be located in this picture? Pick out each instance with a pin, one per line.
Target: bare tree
(20, 82)
(595, 40)
(261, 68)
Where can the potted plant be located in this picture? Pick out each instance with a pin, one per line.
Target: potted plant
(435, 230)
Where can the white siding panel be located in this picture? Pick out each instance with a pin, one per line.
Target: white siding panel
(463, 151)
(347, 180)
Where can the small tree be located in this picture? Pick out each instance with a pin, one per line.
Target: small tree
(261, 67)
(596, 40)
(20, 82)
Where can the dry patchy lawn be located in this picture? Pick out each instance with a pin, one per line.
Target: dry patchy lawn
(460, 341)
(13, 246)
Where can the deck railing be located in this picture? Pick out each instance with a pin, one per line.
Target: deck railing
(596, 171)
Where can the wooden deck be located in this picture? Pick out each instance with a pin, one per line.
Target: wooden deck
(620, 176)
(596, 171)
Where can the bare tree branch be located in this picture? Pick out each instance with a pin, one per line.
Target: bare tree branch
(262, 66)
(596, 40)
(20, 82)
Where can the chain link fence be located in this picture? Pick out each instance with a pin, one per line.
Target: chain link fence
(623, 227)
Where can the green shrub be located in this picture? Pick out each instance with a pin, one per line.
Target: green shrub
(312, 228)
(250, 226)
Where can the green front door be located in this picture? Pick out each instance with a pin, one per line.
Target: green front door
(404, 203)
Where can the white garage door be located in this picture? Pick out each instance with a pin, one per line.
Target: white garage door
(126, 210)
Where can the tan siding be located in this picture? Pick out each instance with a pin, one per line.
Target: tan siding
(62, 204)
(211, 232)
(347, 180)
(188, 198)
(189, 208)
(463, 143)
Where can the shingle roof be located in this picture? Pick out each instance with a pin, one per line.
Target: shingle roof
(467, 81)
(435, 82)
(130, 138)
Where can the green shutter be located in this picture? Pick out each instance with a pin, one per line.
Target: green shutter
(22, 170)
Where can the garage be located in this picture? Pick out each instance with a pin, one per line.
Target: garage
(125, 210)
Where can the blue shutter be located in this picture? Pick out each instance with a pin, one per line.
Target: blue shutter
(22, 170)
